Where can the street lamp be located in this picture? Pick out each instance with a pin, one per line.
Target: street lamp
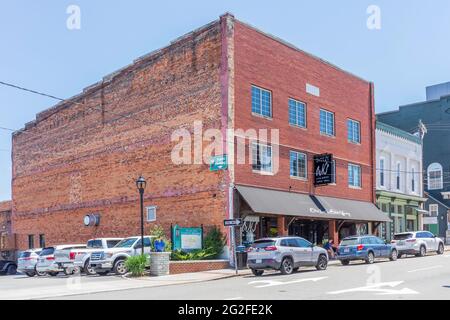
(141, 184)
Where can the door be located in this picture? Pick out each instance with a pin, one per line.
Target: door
(430, 240)
(305, 251)
(385, 249)
(373, 244)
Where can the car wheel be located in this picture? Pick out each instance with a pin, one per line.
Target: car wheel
(88, 270)
(370, 258)
(287, 266)
(257, 273)
(102, 273)
(53, 274)
(40, 274)
(399, 255)
(422, 251)
(394, 255)
(69, 271)
(30, 274)
(119, 267)
(440, 249)
(345, 262)
(322, 263)
(12, 270)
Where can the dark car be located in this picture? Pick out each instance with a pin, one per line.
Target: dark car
(366, 248)
(8, 267)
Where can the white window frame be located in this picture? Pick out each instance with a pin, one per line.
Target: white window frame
(437, 184)
(358, 138)
(430, 210)
(398, 176)
(327, 113)
(264, 169)
(352, 166)
(297, 102)
(147, 209)
(305, 173)
(413, 180)
(260, 113)
(382, 172)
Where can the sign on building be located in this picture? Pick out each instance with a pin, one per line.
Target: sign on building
(219, 163)
(187, 239)
(323, 169)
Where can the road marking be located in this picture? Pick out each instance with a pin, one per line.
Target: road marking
(236, 298)
(424, 269)
(378, 289)
(271, 283)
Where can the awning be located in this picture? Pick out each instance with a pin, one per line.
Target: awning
(266, 201)
(421, 211)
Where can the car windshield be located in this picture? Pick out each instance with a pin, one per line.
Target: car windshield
(126, 243)
(350, 242)
(403, 236)
(47, 251)
(25, 254)
(263, 243)
(95, 244)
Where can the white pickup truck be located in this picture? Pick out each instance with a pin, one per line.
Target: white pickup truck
(77, 260)
(113, 259)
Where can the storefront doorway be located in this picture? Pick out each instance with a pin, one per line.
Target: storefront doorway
(313, 231)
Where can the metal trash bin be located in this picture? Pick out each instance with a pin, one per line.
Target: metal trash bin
(241, 257)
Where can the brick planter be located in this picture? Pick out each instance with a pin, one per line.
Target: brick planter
(177, 267)
(159, 263)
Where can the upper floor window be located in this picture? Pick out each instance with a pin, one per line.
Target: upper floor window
(354, 175)
(42, 240)
(298, 164)
(433, 210)
(151, 214)
(413, 180)
(261, 102)
(353, 131)
(382, 172)
(30, 241)
(297, 113)
(261, 157)
(398, 180)
(326, 122)
(435, 178)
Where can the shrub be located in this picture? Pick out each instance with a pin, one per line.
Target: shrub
(215, 241)
(202, 254)
(159, 234)
(136, 265)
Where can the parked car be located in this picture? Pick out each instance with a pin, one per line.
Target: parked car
(46, 263)
(8, 267)
(73, 260)
(417, 243)
(286, 254)
(113, 259)
(27, 262)
(366, 248)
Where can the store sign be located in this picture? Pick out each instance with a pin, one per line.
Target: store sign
(219, 163)
(333, 212)
(430, 220)
(187, 239)
(323, 169)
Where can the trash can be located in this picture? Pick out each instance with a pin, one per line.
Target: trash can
(241, 257)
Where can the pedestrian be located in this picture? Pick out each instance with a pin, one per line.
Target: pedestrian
(330, 249)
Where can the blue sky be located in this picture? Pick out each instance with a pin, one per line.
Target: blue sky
(38, 51)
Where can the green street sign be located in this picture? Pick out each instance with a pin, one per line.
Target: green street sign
(219, 163)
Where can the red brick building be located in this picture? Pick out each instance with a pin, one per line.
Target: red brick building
(7, 238)
(83, 155)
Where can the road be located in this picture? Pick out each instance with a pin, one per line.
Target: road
(407, 278)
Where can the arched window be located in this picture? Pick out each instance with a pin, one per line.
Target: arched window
(435, 180)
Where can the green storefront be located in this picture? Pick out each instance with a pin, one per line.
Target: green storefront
(405, 212)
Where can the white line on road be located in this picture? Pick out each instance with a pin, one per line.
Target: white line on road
(271, 283)
(424, 269)
(378, 289)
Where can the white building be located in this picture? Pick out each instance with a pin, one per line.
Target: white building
(399, 177)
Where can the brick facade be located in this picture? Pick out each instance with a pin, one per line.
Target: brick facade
(177, 267)
(7, 238)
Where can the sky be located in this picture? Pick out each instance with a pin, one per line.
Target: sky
(38, 51)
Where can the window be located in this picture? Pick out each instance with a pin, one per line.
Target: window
(353, 131)
(400, 209)
(30, 241)
(297, 113)
(398, 176)
(354, 176)
(302, 243)
(298, 164)
(413, 180)
(261, 102)
(433, 209)
(151, 214)
(112, 243)
(435, 181)
(326, 122)
(42, 241)
(261, 157)
(381, 172)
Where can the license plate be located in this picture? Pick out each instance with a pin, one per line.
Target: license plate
(347, 250)
(259, 261)
(400, 243)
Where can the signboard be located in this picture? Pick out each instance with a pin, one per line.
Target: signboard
(219, 163)
(187, 239)
(430, 220)
(323, 169)
(232, 223)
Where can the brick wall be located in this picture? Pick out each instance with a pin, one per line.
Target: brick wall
(84, 157)
(177, 267)
(265, 62)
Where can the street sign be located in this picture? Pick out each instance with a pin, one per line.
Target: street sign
(232, 222)
(323, 169)
(219, 163)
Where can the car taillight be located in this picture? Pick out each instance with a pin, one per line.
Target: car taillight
(393, 241)
(270, 248)
(50, 258)
(360, 247)
(411, 240)
(72, 255)
(250, 249)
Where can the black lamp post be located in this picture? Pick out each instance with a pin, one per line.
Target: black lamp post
(141, 184)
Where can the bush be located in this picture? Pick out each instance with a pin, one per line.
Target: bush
(215, 241)
(136, 265)
(159, 234)
(202, 254)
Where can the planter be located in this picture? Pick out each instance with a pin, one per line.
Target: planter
(159, 263)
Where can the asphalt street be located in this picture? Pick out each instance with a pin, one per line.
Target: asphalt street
(407, 278)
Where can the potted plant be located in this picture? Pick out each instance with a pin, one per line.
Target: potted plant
(160, 255)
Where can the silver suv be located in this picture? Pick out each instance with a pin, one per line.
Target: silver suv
(286, 254)
(417, 243)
